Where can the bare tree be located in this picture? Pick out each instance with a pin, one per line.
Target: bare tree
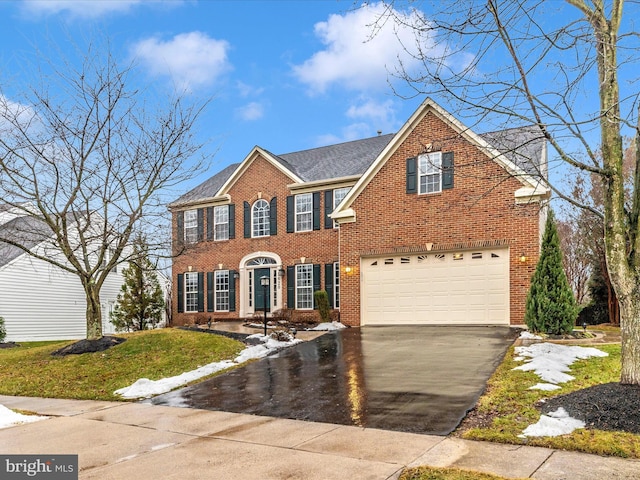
(556, 66)
(85, 159)
(576, 258)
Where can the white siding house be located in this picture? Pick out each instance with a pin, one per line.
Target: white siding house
(40, 301)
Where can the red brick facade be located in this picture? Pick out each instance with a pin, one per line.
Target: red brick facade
(481, 208)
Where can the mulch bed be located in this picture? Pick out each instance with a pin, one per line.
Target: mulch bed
(88, 346)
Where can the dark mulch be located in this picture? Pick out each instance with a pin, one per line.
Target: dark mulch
(88, 346)
(611, 406)
(9, 345)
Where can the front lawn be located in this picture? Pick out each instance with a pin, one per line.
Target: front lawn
(30, 370)
(508, 407)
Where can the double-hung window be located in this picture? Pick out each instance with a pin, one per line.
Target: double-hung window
(191, 226)
(430, 172)
(304, 287)
(304, 212)
(191, 291)
(222, 290)
(338, 196)
(221, 222)
(336, 285)
(260, 219)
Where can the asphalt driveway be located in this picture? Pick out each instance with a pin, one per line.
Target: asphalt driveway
(410, 379)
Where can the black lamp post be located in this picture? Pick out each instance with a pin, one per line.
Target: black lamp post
(264, 281)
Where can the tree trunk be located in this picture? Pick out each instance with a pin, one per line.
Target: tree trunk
(94, 311)
(630, 330)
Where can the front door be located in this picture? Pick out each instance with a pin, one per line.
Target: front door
(258, 273)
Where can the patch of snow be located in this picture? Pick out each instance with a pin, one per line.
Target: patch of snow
(9, 418)
(329, 326)
(552, 425)
(529, 336)
(145, 388)
(544, 386)
(551, 361)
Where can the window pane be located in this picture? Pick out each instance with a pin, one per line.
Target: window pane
(260, 219)
(338, 196)
(191, 291)
(430, 165)
(304, 287)
(191, 226)
(222, 290)
(221, 222)
(304, 212)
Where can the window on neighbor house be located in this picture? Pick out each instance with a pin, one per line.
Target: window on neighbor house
(191, 291)
(260, 219)
(221, 222)
(430, 172)
(304, 287)
(222, 291)
(191, 226)
(338, 196)
(304, 212)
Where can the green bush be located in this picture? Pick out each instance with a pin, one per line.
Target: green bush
(3, 330)
(551, 307)
(322, 302)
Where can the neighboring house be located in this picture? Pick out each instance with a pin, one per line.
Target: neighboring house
(38, 300)
(432, 225)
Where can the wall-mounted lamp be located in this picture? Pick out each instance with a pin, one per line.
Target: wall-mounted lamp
(281, 272)
(523, 257)
(348, 270)
(236, 275)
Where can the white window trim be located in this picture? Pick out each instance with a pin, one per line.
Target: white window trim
(216, 274)
(191, 226)
(433, 167)
(190, 291)
(266, 209)
(217, 213)
(299, 289)
(299, 214)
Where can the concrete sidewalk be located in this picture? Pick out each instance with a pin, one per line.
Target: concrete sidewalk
(142, 441)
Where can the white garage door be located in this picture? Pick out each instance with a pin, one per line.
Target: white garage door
(452, 288)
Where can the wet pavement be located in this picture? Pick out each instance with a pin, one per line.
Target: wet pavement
(409, 379)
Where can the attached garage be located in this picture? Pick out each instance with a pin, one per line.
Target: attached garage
(436, 288)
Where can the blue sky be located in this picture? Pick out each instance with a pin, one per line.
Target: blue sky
(285, 75)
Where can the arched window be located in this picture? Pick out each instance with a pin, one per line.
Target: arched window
(260, 219)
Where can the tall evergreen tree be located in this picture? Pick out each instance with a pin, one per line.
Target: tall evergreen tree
(140, 302)
(551, 306)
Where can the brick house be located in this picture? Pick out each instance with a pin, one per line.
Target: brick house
(432, 225)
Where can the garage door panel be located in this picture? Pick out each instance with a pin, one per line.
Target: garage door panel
(436, 289)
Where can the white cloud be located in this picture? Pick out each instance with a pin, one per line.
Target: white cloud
(354, 56)
(248, 90)
(80, 8)
(251, 111)
(191, 60)
(381, 115)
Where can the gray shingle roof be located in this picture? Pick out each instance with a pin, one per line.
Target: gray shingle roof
(28, 231)
(524, 146)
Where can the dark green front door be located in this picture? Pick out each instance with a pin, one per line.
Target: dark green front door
(260, 290)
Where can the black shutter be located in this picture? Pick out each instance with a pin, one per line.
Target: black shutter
(316, 210)
(200, 224)
(316, 282)
(447, 170)
(328, 281)
(291, 213)
(209, 223)
(273, 216)
(180, 293)
(210, 288)
(232, 221)
(247, 220)
(180, 225)
(200, 291)
(412, 177)
(328, 208)
(291, 287)
(232, 290)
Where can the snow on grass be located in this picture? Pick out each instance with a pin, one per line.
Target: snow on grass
(329, 326)
(9, 418)
(529, 336)
(552, 425)
(551, 362)
(145, 388)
